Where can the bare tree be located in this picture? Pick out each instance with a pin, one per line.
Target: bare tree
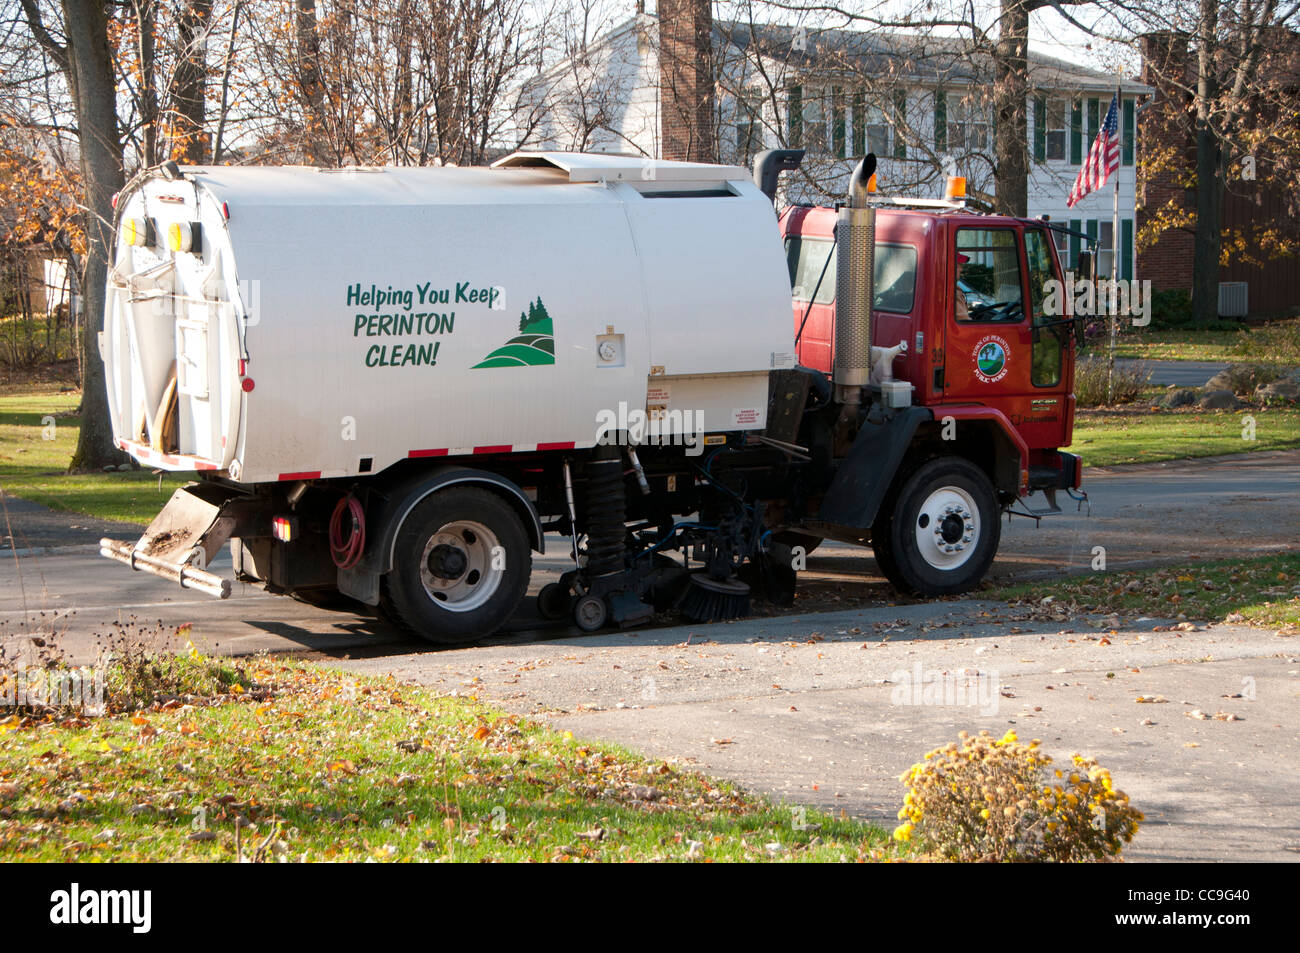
(86, 60)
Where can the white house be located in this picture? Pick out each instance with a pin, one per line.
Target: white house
(920, 104)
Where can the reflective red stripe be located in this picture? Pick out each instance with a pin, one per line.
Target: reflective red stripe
(305, 475)
(500, 448)
(428, 453)
(568, 445)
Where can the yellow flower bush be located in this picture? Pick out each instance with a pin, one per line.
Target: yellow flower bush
(987, 799)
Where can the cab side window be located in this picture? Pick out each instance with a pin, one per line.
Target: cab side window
(812, 264)
(989, 288)
(812, 268)
(1049, 342)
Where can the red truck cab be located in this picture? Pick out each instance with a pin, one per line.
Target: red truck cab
(970, 295)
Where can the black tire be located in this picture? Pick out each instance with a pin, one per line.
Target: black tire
(554, 601)
(432, 589)
(880, 548)
(590, 613)
(943, 530)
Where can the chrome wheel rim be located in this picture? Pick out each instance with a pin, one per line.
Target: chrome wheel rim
(456, 566)
(947, 528)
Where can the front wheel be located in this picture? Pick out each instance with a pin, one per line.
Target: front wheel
(944, 529)
(460, 567)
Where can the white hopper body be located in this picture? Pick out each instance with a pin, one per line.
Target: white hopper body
(335, 323)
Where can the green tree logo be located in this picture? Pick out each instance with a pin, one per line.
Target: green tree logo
(533, 345)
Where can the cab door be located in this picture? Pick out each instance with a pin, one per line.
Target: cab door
(988, 340)
(996, 352)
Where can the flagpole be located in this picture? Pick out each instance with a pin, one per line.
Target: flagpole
(1114, 239)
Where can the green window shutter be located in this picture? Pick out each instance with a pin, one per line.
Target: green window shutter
(837, 121)
(1126, 251)
(1126, 147)
(940, 121)
(1091, 229)
(1094, 121)
(1076, 132)
(795, 107)
(1075, 244)
(900, 120)
(859, 147)
(1040, 128)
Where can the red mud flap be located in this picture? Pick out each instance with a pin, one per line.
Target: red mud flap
(182, 539)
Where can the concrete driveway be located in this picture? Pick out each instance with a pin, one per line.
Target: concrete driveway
(828, 709)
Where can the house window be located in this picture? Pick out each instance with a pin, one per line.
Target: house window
(879, 132)
(968, 127)
(1056, 129)
(816, 129)
(1106, 249)
(872, 128)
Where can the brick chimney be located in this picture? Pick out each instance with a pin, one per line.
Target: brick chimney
(686, 80)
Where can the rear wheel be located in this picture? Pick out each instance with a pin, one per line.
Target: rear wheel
(460, 567)
(943, 531)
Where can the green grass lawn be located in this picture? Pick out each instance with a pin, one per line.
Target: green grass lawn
(1276, 343)
(34, 466)
(1104, 438)
(326, 767)
(1263, 591)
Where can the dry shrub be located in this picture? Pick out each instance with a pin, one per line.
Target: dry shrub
(989, 799)
(1090, 382)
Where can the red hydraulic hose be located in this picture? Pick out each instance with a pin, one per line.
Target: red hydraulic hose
(346, 550)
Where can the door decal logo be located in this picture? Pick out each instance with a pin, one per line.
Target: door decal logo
(992, 357)
(533, 345)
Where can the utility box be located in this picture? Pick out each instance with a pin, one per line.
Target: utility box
(1234, 299)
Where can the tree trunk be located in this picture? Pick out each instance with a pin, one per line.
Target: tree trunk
(91, 78)
(1209, 194)
(311, 84)
(1011, 87)
(146, 23)
(189, 140)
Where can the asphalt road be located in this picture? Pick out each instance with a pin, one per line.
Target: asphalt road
(1177, 373)
(1141, 515)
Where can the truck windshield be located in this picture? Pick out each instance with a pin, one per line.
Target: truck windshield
(895, 273)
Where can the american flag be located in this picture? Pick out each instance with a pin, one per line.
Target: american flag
(1103, 157)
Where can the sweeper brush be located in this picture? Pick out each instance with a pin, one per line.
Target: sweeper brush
(713, 600)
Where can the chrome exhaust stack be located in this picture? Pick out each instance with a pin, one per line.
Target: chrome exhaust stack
(855, 232)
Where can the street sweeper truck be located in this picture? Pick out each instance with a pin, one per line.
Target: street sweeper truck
(393, 383)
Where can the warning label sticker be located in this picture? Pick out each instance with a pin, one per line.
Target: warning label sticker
(747, 417)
